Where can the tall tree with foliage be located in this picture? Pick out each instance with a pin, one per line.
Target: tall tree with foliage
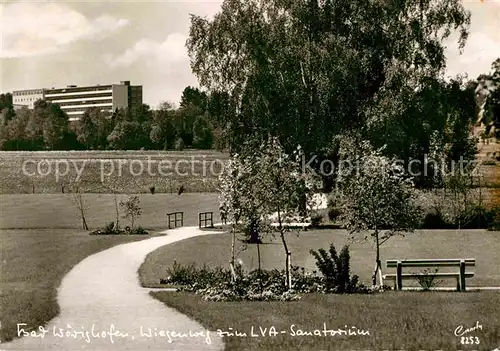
(305, 71)
(55, 127)
(491, 112)
(34, 127)
(202, 133)
(6, 107)
(163, 132)
(128, 135)
(194, 97)
(12, 133)
(87, 130)
(433, 121)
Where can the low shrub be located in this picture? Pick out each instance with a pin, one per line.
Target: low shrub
(436, 220)
(180, 275)
(489, 162)
(215, 284)
(179, 144)
(306, 282)
(476, 218)
(336, 271)
(494, 218)
(110, 229)
(427, 279)
(333, 213)
(194, 278)
(139, 231)
(316, 220)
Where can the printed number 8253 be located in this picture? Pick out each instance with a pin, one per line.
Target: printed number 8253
(469, 340)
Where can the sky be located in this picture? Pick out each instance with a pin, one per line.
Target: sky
(58, 43)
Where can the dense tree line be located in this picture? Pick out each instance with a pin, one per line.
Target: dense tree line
(310, 72)
(489, 94)
(46, 127)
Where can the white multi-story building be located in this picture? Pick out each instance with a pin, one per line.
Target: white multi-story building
(27, 97)
(75, 100)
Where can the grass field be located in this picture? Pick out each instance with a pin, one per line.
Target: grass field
(57, 211)
(214, 250)
(35, 172)
(33, 265)
(195, 170)
(396, 320)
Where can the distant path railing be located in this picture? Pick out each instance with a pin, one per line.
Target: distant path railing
(175, 218)
(206, 220)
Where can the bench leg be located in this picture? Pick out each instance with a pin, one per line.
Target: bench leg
(462, 275)
(399, 276)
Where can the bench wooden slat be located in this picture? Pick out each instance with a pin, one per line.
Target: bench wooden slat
(430, 263)
(438, 274)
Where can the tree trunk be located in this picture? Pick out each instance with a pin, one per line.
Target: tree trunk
(254, 234)
(233, 241)
(287, 253)
(260, 268)
(254, 237)
(117, 212)
(378, 266)
(84, 223)
(79, 199)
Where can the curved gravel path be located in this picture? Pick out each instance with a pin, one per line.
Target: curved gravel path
(102, 296)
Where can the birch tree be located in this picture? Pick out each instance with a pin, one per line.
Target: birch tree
(378, 201)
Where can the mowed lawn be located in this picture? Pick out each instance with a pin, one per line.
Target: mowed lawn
(396, 320)
(407, 321)
(33, 263)
(19, 211)
(214, 250)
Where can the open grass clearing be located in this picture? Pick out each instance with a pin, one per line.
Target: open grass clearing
(33, 263)
(35, 172)
(214, 250)
(57, 210)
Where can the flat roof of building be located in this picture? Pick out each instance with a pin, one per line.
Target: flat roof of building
(73, 88)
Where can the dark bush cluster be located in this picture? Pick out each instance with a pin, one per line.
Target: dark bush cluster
(216, 284)
(435, 220)
(110, 229)
(316, 220)
(334, 212)
(477, 218)
(191, 275)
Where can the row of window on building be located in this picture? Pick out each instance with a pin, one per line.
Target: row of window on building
(27, 99)
(28, 92)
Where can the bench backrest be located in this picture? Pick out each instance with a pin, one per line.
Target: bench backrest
(431, 262)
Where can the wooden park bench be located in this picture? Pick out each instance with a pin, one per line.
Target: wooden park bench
(460, 276)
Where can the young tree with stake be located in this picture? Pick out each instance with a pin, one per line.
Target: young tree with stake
(378, 199)
(285, 186)
(131, 208)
